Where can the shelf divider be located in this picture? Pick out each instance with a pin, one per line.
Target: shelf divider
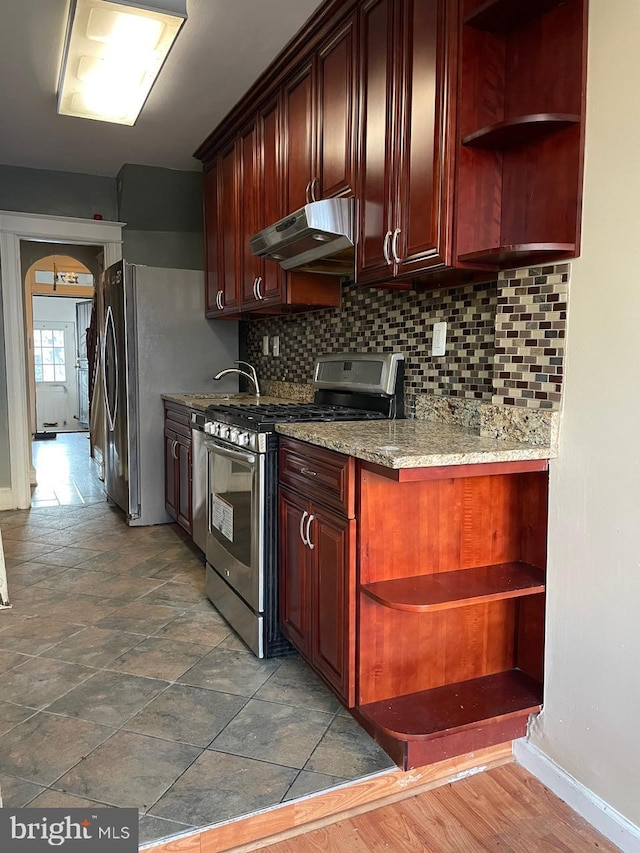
(521, 130)
(455, 707)
(446, 590)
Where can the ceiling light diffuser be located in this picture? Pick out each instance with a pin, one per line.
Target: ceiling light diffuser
(113, 52)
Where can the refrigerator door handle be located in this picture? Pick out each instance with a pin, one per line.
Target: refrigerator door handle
(109, 329)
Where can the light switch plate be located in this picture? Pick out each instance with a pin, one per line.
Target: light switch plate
(265, 345)
(439, 339)
(275, 346)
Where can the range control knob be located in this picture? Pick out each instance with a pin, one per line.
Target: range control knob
(233, 435)
(243, 438)
(208, 428)
(223, 431)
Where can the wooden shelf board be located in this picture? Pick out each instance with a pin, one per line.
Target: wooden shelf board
(520, 254)
(453, 708)
(503, 16)
(445, 590)
(521, 130)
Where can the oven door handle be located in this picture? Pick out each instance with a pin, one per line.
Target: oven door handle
(237, 455)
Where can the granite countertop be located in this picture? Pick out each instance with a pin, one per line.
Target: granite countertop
(201, 401)
(412, 443)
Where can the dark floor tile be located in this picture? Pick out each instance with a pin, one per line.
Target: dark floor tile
(72, 581)
(110, 698)
(129, 770)
(122, 587)
(16, 793)
(159, 658)
(140, 618)
(8, 660)
(52, 799)
(230, 672)
(187, 714)
(310, 783)
(172, 593)
(68, 556)
(157, 828)
(29, 573)
(347, 750)
(93, 647)
(35, 635)
(87, 609)
(294, 683)
(23, 551)
(38, 682)
(45, 746)
(280, 734)
(197, 627)
(217, 787)
(11, 715)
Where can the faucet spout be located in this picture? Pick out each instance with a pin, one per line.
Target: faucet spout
(252, 376)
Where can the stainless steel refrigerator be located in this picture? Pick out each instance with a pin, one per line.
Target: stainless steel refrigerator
(155, 340)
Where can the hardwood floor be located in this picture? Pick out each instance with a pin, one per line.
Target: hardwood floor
(505, 809)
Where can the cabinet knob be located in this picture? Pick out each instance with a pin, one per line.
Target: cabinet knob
(308, 472)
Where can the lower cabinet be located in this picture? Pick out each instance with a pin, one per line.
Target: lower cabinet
(317, 581)
(177, 464)
(450, 570)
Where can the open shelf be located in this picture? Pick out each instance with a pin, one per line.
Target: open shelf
(521, 130)
(520, 254)
(455, 707)
(444, 590)
(503, 16)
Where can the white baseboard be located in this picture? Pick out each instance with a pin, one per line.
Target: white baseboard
(590, 806)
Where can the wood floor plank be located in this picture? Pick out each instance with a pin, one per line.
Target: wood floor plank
(502, 810)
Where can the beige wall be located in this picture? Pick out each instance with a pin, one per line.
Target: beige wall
(591, 722)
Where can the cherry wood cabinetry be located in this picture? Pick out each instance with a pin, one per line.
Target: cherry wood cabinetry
(521, 132)
(320, 121)
(317, 561)
(450, 567)
(458, 125)
(177, 464)
(405, 163)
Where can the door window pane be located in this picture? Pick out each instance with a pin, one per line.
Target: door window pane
(49, 355)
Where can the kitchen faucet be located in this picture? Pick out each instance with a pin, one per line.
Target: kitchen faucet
(252, 376)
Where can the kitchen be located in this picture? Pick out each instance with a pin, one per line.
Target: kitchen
(395, 300)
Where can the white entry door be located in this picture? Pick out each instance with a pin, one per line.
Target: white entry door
(54, 349)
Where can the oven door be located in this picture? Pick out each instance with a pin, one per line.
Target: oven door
(235, 519)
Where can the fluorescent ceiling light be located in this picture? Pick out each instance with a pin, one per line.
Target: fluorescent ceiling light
(113, 52)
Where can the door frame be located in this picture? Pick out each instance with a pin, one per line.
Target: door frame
(14, 227)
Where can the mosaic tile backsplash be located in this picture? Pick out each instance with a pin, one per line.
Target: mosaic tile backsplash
(505, 338)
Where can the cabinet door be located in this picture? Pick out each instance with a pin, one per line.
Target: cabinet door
(248, 198)
(294, 572)
(212, 285)
(332, 538)
(336, 117)
(170, 473)
(420, 233)
(228, 230)
(378, 105)
(299, 130)
(270, 188)
(184, 497)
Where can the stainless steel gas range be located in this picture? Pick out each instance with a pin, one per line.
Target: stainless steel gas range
(242, 483)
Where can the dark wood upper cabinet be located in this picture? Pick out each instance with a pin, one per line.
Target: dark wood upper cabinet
(404, 163)
(458, 125)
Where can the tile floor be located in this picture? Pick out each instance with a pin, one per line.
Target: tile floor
(121, 685)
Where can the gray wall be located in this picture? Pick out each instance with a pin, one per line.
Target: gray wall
(57, 193)
(5, 459)
(163, 212)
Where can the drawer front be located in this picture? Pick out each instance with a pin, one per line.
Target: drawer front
(318, 474)
(178, 419)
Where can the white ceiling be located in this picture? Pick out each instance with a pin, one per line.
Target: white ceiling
(222, 48)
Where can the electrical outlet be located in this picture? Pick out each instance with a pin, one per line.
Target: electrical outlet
(265, 345)
(275, 346)
(439, 339)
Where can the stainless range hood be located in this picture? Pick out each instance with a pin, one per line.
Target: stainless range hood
(317, 238)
